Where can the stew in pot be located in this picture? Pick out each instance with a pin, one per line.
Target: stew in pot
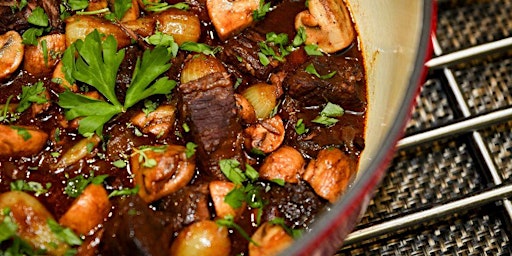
(149, 127)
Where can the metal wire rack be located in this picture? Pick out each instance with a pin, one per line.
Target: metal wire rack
(448, 189)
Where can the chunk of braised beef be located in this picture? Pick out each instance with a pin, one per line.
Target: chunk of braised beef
(209, 109)
(297, 203)
(242, 53)
(10, 20)
(134, 229)
(345, 88)
(51, 8)
(185, 206)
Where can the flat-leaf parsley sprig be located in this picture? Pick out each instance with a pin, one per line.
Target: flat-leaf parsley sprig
(95, 62)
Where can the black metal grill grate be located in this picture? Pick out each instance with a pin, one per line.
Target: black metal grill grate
(406, 216)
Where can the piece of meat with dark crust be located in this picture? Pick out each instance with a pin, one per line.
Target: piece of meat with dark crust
(341, 89)
(242, 52)
(209, 109)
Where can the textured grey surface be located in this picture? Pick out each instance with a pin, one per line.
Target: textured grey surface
(448, 170)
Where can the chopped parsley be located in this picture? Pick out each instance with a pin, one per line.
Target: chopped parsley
(310, 69)
(199, 48)
(295, 233)
(149, 106)
(124, 192)
(119, 163)
(76, 5)
(159, 7)
(66, 235)
(144, 159)
(300, 37)
(313, 50)
(121, 7)
(328, 114)
(24, 133)
(300, 127)
(38, 17)
(31, 186)
(229, 222)
(75, 186)
(31, 94)
(30, 35)
(262, 11)
(164, 40)
(190, 149)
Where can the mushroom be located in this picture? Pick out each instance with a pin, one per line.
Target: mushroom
(21, 140)
(161, 170)
(286, 164)
(266, 136)
(43, 57)
(270, 239)
(158, 122)
(327, 24)
(230, 17)
(11, 53)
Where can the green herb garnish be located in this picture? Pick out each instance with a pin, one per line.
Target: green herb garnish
(66, 235)
(310, 69)
(31, 94)
(300, 127)
(199, 48)
(75, 186)
(38, 17)
(229, 222)
(30, 36)
(24, 133)
(31, 186)
(190, 149)
(124, 192)
(328, 114)
(262, 10)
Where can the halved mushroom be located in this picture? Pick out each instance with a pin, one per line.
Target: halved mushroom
(161, 170)
(327, 24)
(43, 57)
(21, 141)
(286, 164)
(218, 191)
(271, 239)
(230, 17)
(159, 122)
(266, 136)
(88, 210)
(11, 53)
(330, 173)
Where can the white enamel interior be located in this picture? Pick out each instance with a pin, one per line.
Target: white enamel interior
(389, 31)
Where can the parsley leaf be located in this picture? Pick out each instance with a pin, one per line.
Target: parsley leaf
(31, 186)
(29, 94)
(263, 8)
(7, 227)
(310, 69)
(153, 64)
(124, 192)
(229, 222)
(144, 159)
(231, 168)
(159, 7)
(119, 163)
(75, 186)
(300, 127)
(76, 5)
(22, 132)
(300, 37)
(165, 40)
(199, 48)
(121, 7)
(98, 63)
(190, 149)
(295, 233)
(64, 234)
(30, 35)
(38, 17)
(312, 50)
(327, 115)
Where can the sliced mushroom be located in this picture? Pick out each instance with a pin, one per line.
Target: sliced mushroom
(218, 191)
(11, 53)
(245, 109)
(330, 173)
(161, 170)
(270, 239)
(266, 136)
(43, 57)
(286, 164)
(230, 17)
(59, 76)
(327, 23)
(31, 218)
(21, 140)
(88, 210)
(159, 122)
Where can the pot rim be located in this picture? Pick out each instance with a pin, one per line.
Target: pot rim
(332, 223)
